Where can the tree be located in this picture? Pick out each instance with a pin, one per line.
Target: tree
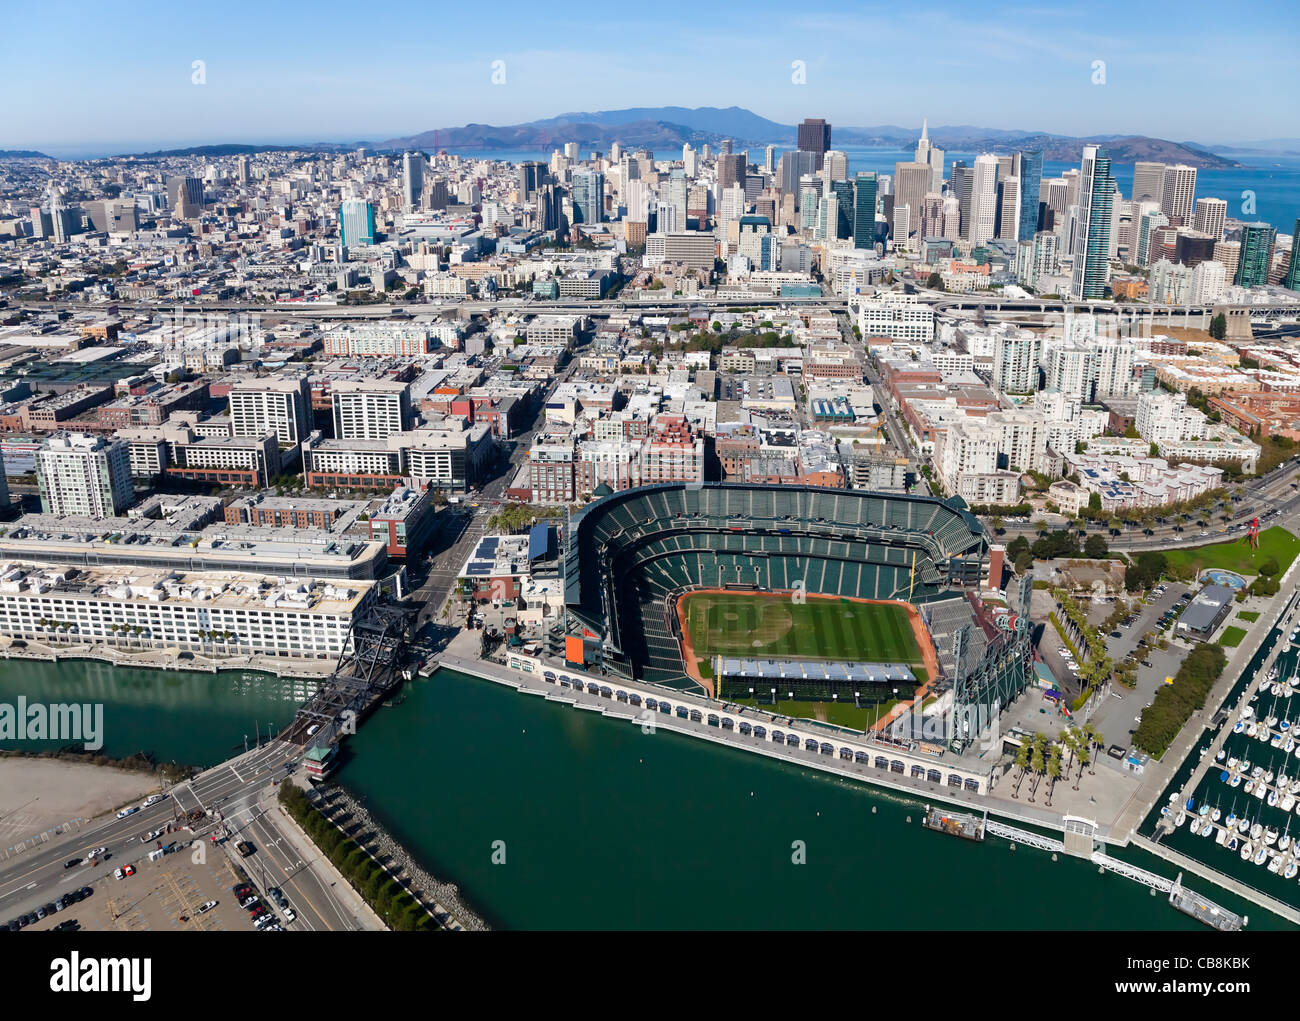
(1024, 562)
(1095, 547)
(1022, 764)
(1094, 502)
(935, 282)
(1219, 326)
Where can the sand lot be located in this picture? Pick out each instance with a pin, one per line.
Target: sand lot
(37, 795)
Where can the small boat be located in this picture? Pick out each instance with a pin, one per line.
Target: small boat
(1291, 869)
(1207, 829)
(1256, 830)
(1268, 777)
(1275, 865)
(1238, 727)
(1216, 815)
(1270, 836)
(1261, 856)
(1173, 797)
(1290, 744)
(1235, 781)
(1272, 798)
(1277, 741)
(1252, 730)
(1223, 753)
(1221, 837)
(1243, 825)
(1232, 844)
(1288, 803)
(1261, 789)
(1250, 786)
(1195, 827)
(1246, 851)
(1180, 819)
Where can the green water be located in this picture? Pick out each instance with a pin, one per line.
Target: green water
(606, 827)
(191, 718)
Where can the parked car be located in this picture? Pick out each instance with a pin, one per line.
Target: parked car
(206, 906)
(244, 848)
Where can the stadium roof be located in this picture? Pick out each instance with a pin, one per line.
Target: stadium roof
(817, 670)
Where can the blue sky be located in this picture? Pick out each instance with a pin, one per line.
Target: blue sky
(92, 77)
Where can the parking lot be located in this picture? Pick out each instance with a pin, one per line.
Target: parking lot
(160, 895)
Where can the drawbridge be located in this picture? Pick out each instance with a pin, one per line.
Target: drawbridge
(368, 670)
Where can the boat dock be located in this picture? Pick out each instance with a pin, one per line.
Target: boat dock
(955, 824)
(1204, 911)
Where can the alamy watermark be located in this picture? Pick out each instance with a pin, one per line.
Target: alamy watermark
(65, 722)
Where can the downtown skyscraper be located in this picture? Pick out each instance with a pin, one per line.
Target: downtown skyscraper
(412, 180)
(1092, 230)
(864, 210)
(1030, 172)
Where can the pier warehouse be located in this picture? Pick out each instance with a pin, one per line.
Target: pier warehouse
(196, 612)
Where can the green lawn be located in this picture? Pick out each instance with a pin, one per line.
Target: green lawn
(1235, 555)
(776, 627)
(1232, 637)
(841, 715)
(1250, 616)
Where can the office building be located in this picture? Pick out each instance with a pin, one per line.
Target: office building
(1179, 194)
(983, 201)
(1210, 217)
(1030, 172)
(1256, 254)
(815, 137)
(1148, 181)
(412, 180)
(185, 196)
(588, 196)
(864, 210)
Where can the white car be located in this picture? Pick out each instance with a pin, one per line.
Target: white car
(206, 906)
(289, 914)
(96, 852)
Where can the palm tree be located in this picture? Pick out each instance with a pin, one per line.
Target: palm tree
(1094, 741)
(1036, 764)
(1053, 771)
(1022, 763)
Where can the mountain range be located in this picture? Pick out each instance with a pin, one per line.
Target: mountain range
(676, 125)
(669, 127)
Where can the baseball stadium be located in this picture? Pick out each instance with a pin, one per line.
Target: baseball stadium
(818, 594)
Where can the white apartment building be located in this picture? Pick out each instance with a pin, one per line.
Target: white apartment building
(552, 330)
(86, 476)
(135, 607)
(281, 406)
(370, 409)
(1164, 418)
(898, 316)
(1015, 361)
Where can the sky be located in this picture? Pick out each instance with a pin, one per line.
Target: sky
(124, 79)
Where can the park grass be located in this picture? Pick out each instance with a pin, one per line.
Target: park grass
(1275, 543)
(1250, 616)
(1232, 637)
(776, 627)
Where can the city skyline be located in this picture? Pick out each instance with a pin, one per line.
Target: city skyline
(434, 68)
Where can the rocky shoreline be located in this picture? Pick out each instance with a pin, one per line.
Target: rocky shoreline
(343, 809)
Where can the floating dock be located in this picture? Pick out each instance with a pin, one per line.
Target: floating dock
(1203, 910)
(955, 824)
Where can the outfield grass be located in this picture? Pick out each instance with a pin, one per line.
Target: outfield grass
(776, 627)
(1232, 637)
(1250, 616)
(830, 712)
(1275, 543)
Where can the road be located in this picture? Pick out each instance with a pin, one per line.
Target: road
(231, 789)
